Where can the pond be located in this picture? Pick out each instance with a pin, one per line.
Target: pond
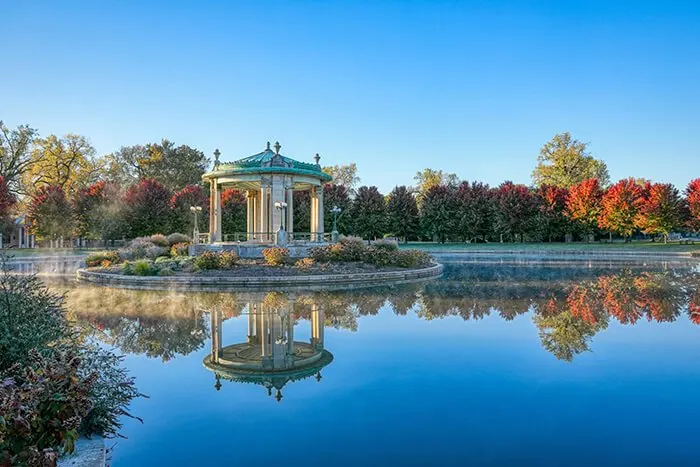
(519, 361)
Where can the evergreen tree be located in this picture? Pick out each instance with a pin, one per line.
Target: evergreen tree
(403, 218)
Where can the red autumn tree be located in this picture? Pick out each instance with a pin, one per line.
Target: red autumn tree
(552, 222)
(620, 207)
(49, 213)
(692, 194)
(98, 211)
(182, 218)
(515, 207)
(147, 208)
(584, 204)
(661, 210)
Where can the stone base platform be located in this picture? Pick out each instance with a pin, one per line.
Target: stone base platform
(254, 250)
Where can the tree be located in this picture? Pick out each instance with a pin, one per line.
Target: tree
(233, 212)
(173, 166)
(428, 178)
(147, 208)
(182, 219)
(551, 220)
(15, 154)
(692, 194)
(565, 335)
(475, 210)
(50, 214)
(335, 195)
(584, 204)
(368, 213)
(620, 207)
(403, 217)
(661, 210)
(515, 207)
(345, 175)
(439, 212)
(97, 211)
(7, 202)
(67, 162)
(302, 211)
(564, 162)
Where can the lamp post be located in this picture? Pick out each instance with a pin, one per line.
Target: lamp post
(281, 234)
(334, 235)
(195, 234)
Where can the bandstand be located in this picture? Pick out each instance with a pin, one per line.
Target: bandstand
(269, 357)
(269, 181)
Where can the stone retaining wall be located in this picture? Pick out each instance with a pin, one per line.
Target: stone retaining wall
(231, 282)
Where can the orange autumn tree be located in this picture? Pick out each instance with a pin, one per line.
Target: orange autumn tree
(584, 204)
(620, 206)
(661, 210)
(692, 194)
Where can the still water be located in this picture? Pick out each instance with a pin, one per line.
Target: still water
(499, 362)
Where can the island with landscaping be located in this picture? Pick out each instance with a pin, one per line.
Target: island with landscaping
(161, 261)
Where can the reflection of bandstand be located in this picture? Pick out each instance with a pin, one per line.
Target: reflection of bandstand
(270, 356)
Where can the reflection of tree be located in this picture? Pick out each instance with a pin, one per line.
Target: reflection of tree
(155, 337)
(564, 334)
(694, 307)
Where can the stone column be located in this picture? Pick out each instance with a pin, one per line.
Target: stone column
(250, 215)
(313, 224)
(277, 195)
(290, 328)
(212, 211)
(290, 210)
(319, 213)
(216, 329)
(264, 212)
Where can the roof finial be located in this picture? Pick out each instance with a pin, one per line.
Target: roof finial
(217, 153)
(317, 158)
(268, 146)
(278, 146)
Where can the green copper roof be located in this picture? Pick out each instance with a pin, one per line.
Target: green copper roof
(270, 161)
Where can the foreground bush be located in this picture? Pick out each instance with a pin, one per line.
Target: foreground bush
(276, 256)
(160, 240)
(180, 249)
(52, 387)
(381, 253)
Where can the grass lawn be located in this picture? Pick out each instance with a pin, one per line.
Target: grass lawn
(640, 246)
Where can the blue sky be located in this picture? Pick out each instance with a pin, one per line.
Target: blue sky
(474, 88)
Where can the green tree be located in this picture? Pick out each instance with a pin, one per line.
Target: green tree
(68, 162)
(439, 213)
(345, 175)
(335, 195)
(368, 213)
(475, 210)
(403, 218)
(172, 166)
(565, 161)
(15, 154)
(565, 335)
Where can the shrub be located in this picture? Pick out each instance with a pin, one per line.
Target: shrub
(144, 267)
(180, 249)
(411, 258)
(378, 256)
(137, 248)
(175, 238)
(207, 260)
(156, 251)
(321, 254)
(128, 269)
(96, 259)
(349, 249)
(126, 254)
(160, 240)
(50, 391)
(228, 259)
(305, 263)
(275, 256)
(166, 272)
(385, 244)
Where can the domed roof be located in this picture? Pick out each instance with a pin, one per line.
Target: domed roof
(267, 162)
